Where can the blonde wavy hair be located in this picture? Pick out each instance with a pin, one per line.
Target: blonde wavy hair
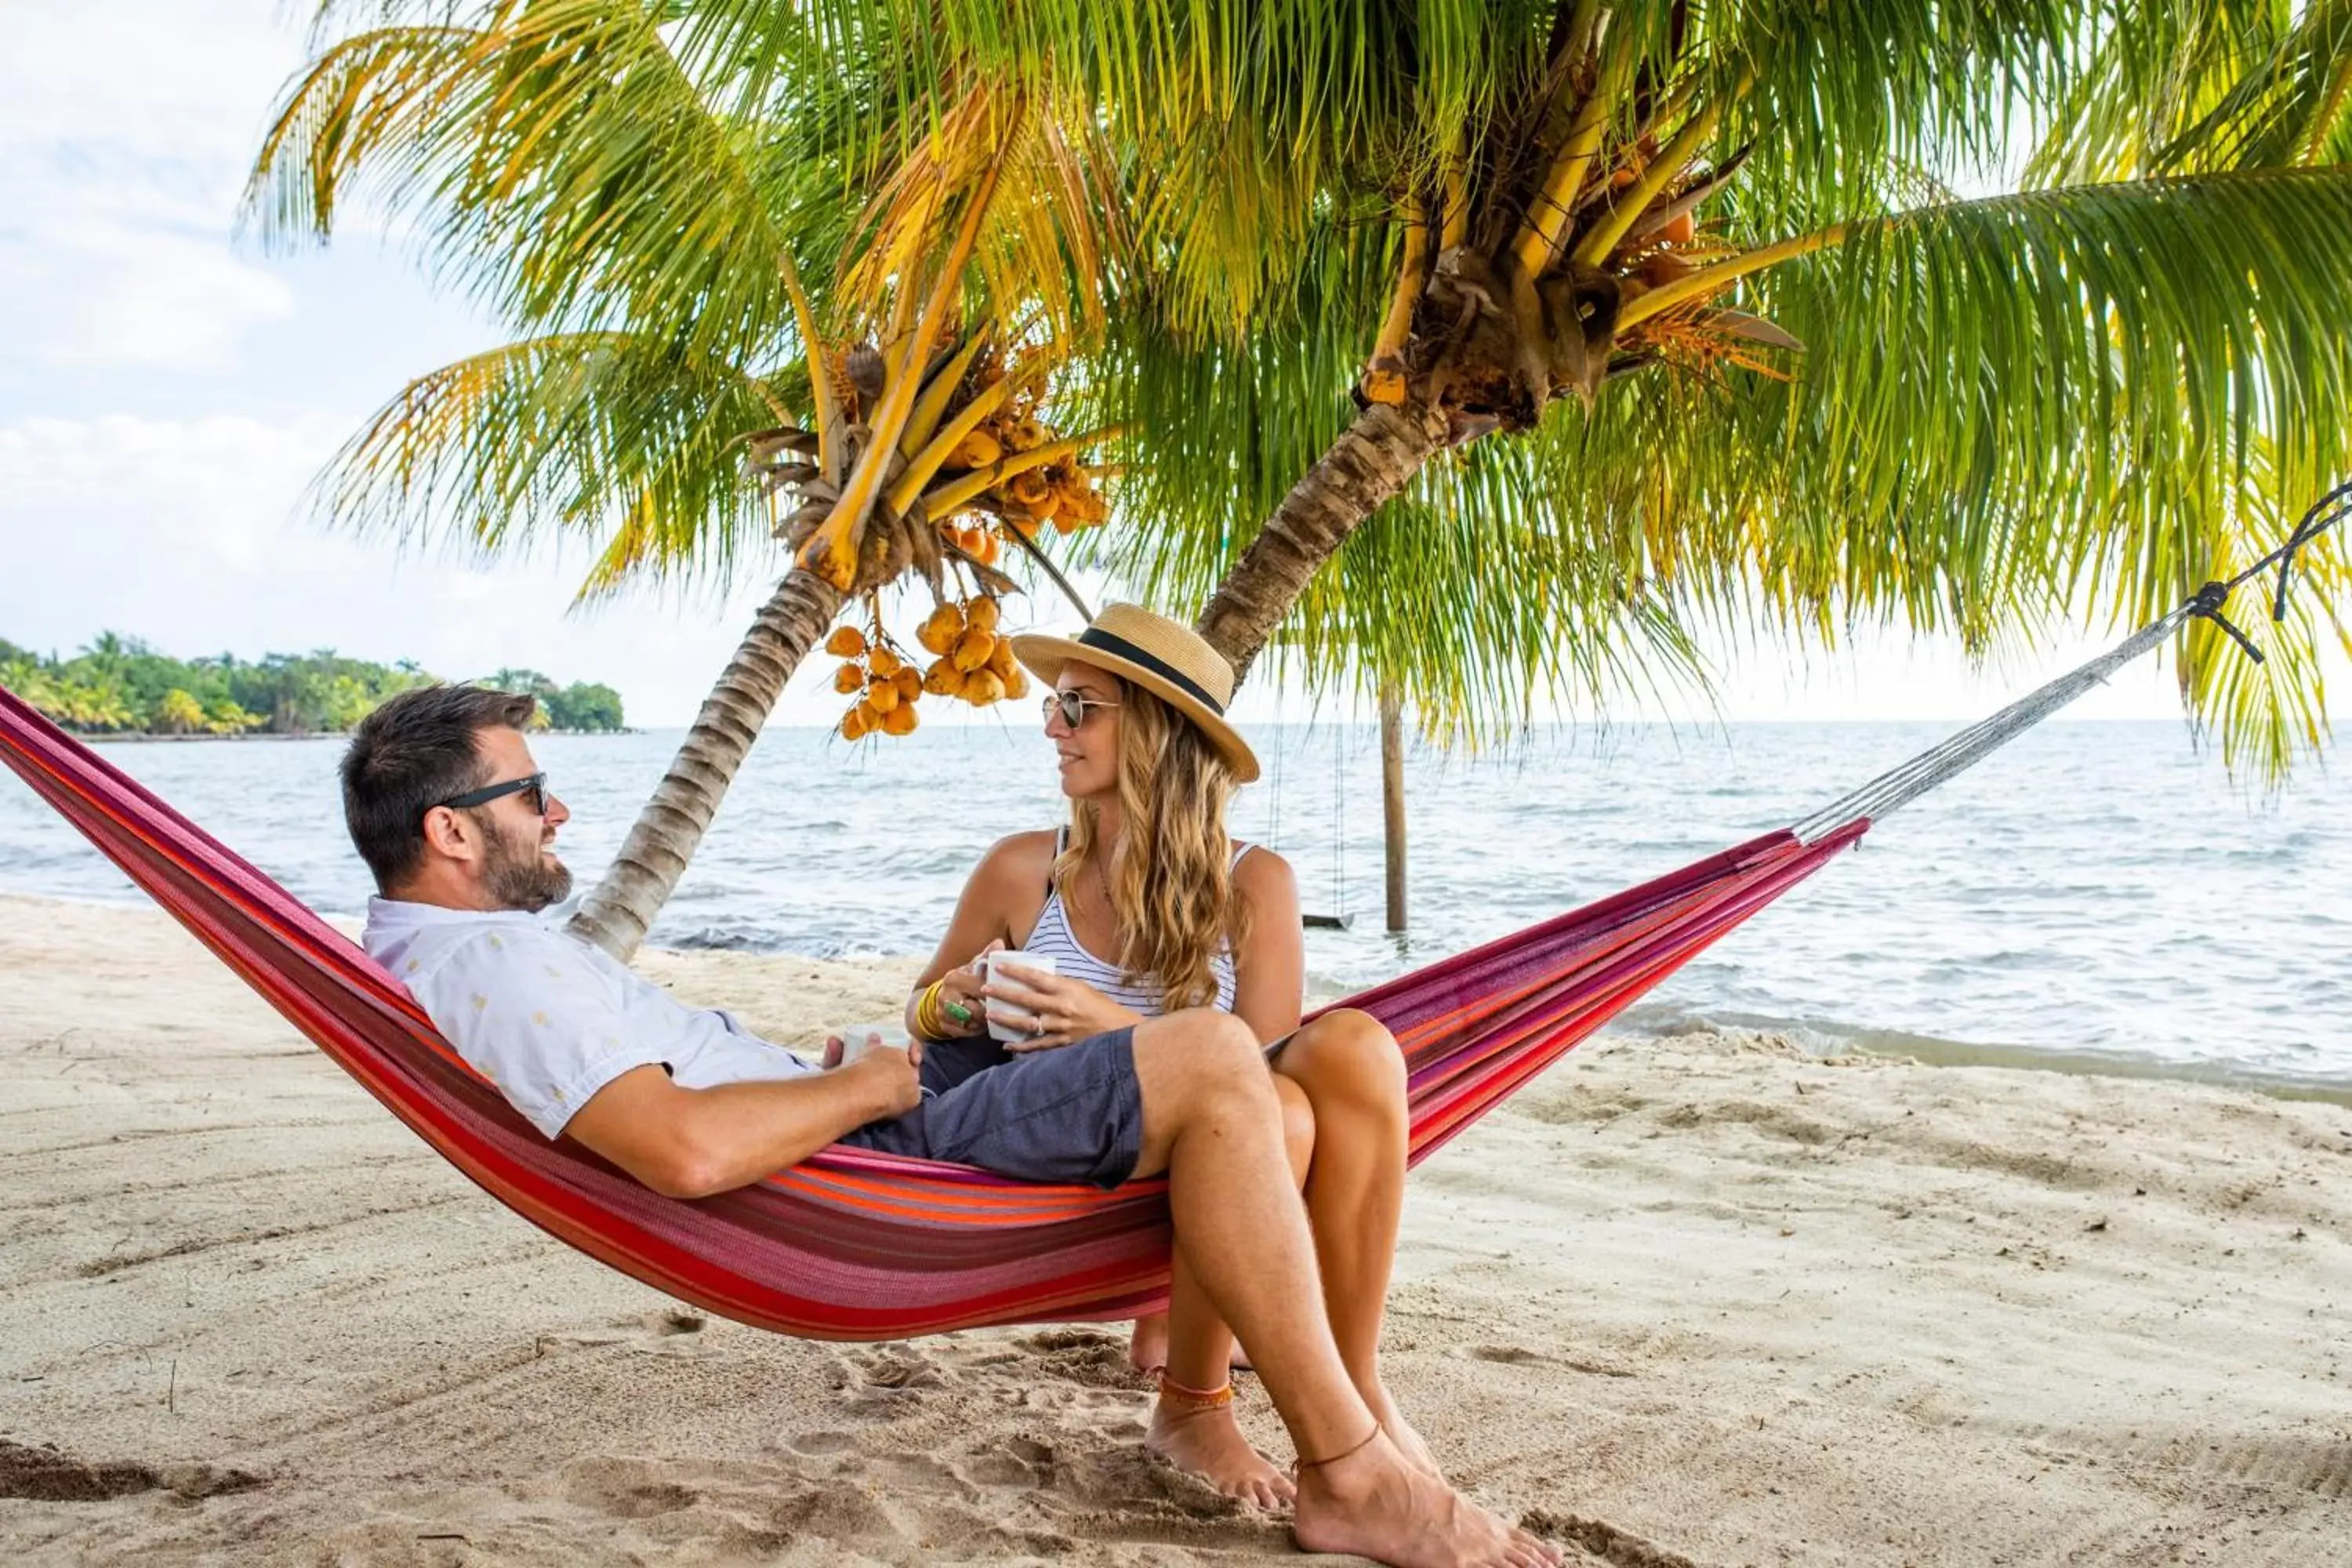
(1171, 879)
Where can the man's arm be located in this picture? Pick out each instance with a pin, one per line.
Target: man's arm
(692, 1143)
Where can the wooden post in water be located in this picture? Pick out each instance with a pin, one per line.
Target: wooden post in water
(1392, 798)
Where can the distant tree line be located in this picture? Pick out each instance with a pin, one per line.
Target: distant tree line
(118, 685)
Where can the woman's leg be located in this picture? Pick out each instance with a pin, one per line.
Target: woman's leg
(1197, 1436)
(1352, 1075)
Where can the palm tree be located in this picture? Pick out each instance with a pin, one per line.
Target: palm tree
(611, 205)
(1495, 343)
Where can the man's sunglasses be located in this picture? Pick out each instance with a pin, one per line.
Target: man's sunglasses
(535, 785)
(1071, 707)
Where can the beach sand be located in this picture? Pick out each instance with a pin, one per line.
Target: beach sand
(1699, 1301)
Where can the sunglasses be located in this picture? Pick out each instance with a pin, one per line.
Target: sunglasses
(534, 784)
(1071, 707)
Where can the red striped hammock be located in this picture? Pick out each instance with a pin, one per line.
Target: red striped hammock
(851, 1245)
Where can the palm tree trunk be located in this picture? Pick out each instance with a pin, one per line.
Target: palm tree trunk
(617, 914)
(1372, 461)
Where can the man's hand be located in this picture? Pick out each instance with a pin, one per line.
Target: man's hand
(894, 1078)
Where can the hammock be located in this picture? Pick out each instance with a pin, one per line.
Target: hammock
(849, 1244)
(852, 1244)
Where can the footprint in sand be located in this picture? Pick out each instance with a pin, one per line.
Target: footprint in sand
(624, 1489)
(899, 1368)
(1086, 1356)
(1601, 1540)
(1016, 1462)
(45, 1474)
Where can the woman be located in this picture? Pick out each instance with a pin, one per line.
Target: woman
(1146, 907)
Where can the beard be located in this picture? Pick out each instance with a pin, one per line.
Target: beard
(520, 875)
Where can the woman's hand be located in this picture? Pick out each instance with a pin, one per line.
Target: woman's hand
(1052, 1009)
(960, 1010)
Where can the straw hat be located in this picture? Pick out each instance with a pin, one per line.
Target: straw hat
(1172, 662)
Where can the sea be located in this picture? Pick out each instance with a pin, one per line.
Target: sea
(2096, 897)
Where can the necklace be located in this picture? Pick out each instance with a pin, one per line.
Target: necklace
(1111, 908)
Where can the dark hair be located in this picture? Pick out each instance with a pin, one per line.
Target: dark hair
(408, 757)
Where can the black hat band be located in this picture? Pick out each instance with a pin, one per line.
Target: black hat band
(1095, 637)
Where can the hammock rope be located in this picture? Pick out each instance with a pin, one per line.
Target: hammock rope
(1900, 786)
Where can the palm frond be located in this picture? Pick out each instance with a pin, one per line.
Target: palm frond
(553, 158)
(626, 446)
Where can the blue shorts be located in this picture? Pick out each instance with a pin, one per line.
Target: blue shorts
(1072, 1113)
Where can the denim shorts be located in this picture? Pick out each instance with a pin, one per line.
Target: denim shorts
(1072, 1113)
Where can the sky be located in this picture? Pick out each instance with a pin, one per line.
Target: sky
(168, 391)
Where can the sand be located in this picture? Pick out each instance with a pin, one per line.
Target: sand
(1698, 1301)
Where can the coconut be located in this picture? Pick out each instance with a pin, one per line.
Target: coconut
(972, 648)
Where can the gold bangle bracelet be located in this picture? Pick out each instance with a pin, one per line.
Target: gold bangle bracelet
(929, 1022)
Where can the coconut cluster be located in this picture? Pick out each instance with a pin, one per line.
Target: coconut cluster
(1024, 495)
(972, 662)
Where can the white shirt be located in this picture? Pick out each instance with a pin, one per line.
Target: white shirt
(550, 1020)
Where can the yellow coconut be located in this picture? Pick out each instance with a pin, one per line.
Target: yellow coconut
(982, 688)
(943, 678)
(941, 629)
(849, 678)
(853, 725)
(1017, 683)
(882, 694)
(909, 683)
(982, 614)
(976, 450)
(972, 648)
(899, 721)
(847, 642)
(884, 661)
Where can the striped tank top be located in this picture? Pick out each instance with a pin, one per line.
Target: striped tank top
(1052, 935)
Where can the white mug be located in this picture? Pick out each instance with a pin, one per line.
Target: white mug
(1015, 959)
(888, 1034)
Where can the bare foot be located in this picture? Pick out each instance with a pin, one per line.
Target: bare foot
(1209, 1444)
(1400, 1433)
(1375, 1504)
(1147, 1348)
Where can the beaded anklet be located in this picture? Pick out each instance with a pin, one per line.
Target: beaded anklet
(1175, 1393)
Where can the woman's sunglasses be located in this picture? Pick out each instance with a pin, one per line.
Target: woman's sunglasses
(1071, 707)
(534, 784)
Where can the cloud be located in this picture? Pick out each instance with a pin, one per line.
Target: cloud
(185, 81)
(108, 268)
(124, 134)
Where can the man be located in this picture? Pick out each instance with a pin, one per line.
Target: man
(446, 806)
